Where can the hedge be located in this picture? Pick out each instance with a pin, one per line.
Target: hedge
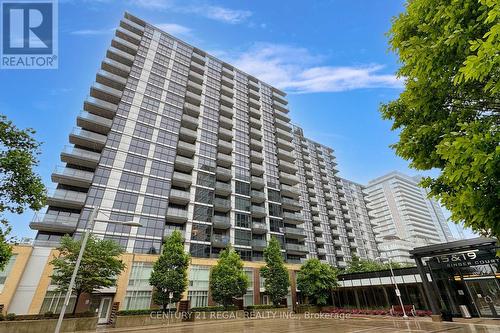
(213, 308)
(47, 315)
(264, 306)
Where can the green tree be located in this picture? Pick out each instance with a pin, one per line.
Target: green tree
(357, 265)
(99, 268)
(20, 187)
(276, 275)
(170, 271)
(227, 278)
(316, 280)
(448, 113)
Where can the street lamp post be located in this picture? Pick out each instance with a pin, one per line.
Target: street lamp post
(398, 292)
(88, 231)
(92, 216)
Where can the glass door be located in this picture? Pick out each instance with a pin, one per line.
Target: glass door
(104, 309)
(486, 296)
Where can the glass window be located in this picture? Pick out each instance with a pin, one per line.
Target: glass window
(53, 302)
(242, 220)
(242, 188)
(5, 272)
(202, 213)
(242, 237)
(138, 295)
(242, 204)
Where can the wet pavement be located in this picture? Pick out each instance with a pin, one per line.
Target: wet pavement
(303, 325)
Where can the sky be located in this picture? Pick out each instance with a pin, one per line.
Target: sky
(331, 57)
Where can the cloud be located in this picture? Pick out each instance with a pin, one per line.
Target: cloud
(217, 13)
(298, 71)
(92, 32)
(174, 29)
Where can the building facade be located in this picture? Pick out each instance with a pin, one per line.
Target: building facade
(403, 217)
(172, 138)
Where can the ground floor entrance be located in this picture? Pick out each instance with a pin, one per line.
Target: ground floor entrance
(104, 309)
(485, 294)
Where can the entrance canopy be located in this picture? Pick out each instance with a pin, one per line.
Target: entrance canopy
(453, 247)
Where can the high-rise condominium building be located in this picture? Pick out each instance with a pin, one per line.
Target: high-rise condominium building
(172, 138)
(403, 217)
(335, 217)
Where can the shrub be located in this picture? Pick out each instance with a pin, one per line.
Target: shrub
(136, 312)
(264, 306)
(10, 316)
(2, 317)
(214, 308)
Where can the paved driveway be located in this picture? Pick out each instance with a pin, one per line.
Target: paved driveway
(302, 325)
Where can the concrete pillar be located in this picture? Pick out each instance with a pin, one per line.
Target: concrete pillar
(256, 286)
(428, 288)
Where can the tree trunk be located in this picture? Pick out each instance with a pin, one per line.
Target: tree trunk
(78, 293)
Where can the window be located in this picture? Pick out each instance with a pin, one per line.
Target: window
(5, 272)
(274, 195)
(54, 300)
(138, 295)
(125, 201)
(242, 204)
(276, 225)
(205, 179)
(248, 297)
(201, 232)
(274, 210)
(135, 163)
(154, 206)
(204, 195)
(202, 213)
(198, 285)
(199, 251)
(242, 188)
(242, 237)
(130, 181)
(242, 220)
(161, 169)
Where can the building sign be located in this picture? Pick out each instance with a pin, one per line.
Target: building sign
(464, 259)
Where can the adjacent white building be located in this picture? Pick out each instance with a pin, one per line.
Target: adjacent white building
(403, 217)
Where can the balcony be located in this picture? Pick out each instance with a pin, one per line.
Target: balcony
(128, 35)
(110, 79)
(255, 123)
(224, 160)
(353, 245)
(220, 240)
(290, 191)
(318, 230)
(283, 125)
(84, 138)
(55, 222)
(284, 155)
(257, 183)
(193, 98)
(293, 218)
(281, 115)
(256, 157)
(226, 111)
(255, 133)
(253, 84)
(280, 106)
(66, 198)
(288, 179)
(200, 59)
(198, 68)
(119, 56)
(124, 45)
(94, 123)
(181, 179)
(221, 222)
(225, 134)
(285, 135)
(258, 211)
(321, 251)
(259, 228)
(227, 101)
(319, 240)
(337, 242)
(279, 98)
(255, 112)
(185, 149)
(82, 157)
(290, 204)
(256, 144)
(105, 93)
(72, 177)
(222, 188)
(115, 67)
(194, 88)
(222, 205)
(257, 196)
(187, 135)
(226, 122)
(348, 226)
(226, 91)
(223, 174)
(259, 244)
(179, 197)
(191, 109)
(254, 103)
(227, 72)
(132, 26)
(350, 235)
(184, 164)
(285, 145)
(295, 233)
(195, 77)
(99, 107)
(177, 215)
(295, 248)
(189, 122)
(256, 169)
(287, 167)
(227, 82)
